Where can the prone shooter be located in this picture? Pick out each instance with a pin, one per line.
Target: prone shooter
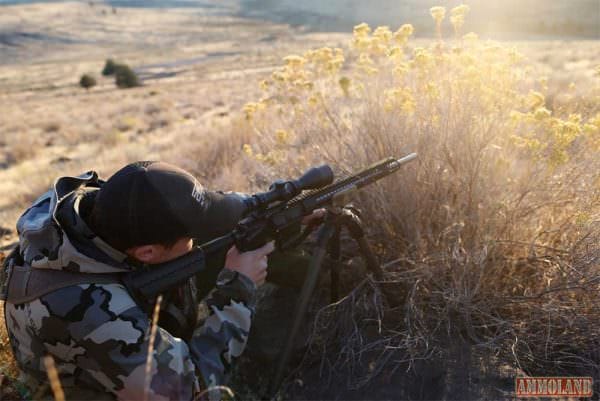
(93, 256)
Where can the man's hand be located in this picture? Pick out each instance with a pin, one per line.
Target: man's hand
(252, 264)
(314, 217)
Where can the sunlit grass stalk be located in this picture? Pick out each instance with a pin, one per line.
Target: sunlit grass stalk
(224, 389)
(52, 373)
(150, 356)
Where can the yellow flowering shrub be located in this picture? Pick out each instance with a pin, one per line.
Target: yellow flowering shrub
(466, 106)
(457, 17)
(465, 99)
(502, 173)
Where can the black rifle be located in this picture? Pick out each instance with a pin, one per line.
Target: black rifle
(272, 215)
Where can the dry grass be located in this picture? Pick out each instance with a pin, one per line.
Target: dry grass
(53, 378)
(50, 126)
(495, 230)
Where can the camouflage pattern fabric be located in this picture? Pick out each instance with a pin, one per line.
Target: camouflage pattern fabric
(96, 333)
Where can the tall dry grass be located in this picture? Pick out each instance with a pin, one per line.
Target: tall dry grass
(492, 237)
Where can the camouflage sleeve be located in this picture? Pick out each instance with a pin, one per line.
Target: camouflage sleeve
(104, 337)
(223, 334)
(110, 335)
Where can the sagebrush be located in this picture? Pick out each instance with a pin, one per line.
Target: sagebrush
(491, 238)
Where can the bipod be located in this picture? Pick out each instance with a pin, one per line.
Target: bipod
(328, 241)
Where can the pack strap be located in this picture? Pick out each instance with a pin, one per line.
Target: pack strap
(26, 284)
(6, 269)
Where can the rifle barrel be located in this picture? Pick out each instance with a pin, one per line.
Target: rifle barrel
(151, 282)
(363, 178)
(407, 158)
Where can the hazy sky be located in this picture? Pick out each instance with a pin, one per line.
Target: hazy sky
(577, 17)
(533, 18)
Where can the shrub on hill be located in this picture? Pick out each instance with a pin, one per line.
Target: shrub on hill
(109, 67)
(125, 77)
(87, 81)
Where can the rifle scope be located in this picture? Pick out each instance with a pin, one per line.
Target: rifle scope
(283, 191)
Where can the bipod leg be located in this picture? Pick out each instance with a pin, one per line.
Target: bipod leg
(336, 255)
(353, 223)
(324, 236)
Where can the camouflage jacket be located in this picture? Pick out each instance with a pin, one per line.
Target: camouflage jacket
(96, 333)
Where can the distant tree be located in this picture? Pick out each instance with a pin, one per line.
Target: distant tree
(125, 77)
(109, 67)
(87, 81)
